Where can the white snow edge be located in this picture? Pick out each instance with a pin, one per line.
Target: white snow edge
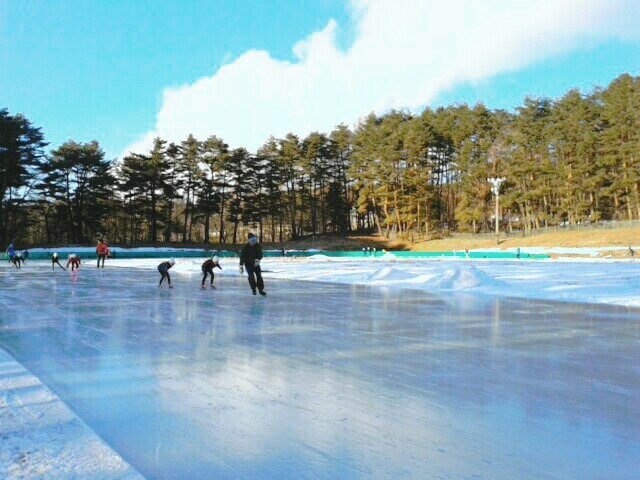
(42, 438)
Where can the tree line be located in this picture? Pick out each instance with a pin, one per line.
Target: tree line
(568, 160)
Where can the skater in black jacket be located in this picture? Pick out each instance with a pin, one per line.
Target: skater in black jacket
(163, 268)
(54, 261)
(250, 259)
(17, 260)
(207, 269)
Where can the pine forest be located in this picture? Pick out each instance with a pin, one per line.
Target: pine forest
(564, 161)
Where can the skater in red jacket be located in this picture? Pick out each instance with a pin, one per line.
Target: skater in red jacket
(102, 251)
(74, 261)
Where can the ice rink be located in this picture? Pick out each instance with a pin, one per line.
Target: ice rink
(320, 380)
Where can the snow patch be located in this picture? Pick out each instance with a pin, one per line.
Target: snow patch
(461, 278)
(323, 258)
(390, 274)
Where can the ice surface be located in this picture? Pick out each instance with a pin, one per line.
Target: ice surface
(334, 380)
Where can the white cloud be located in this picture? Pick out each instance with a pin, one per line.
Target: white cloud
(404, 53)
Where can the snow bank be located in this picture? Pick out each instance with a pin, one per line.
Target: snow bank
(462, 278)
(391, 274)
(319, 257)
(42, 438)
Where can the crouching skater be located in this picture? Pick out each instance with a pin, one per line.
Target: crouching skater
(163, 268)
(207, 269)
(74, 261)
(54, 261)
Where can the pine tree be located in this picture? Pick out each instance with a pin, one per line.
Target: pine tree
(190, 174)
(215, 154)
(21, 154)
(144, 178)
(78, 177)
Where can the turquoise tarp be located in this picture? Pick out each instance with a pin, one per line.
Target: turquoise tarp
(139, 253)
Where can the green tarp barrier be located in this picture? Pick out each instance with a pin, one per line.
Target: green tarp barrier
(117, 253)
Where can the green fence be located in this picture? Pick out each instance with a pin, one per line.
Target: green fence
(119, 253)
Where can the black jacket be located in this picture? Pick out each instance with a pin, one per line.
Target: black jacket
(209, 265)
(164, 267)
(250, 253)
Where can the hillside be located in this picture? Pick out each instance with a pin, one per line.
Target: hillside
(596, 238)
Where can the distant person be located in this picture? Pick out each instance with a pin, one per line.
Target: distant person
(163, 268)
(250, 257)
(518, 253)
(207, 269)
(11, 251)
(25, 255)
(54, 261)
(18, 260)
(102, 250)
(74, 261)
(632, 252)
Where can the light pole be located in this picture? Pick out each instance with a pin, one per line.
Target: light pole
(495, 188)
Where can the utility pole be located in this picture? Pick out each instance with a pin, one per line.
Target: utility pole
(495, 188)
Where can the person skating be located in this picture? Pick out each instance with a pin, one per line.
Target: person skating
(207, 269)
(163, 268)
(17, 260)
(74, 261)
(102, 250)
(250, 257)
(20, 257)
(11, 252)
(54, 261)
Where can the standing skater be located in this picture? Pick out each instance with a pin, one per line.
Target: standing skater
(11, 252)
(207, 269)
(54, 261)
(250, 258)
(163, 268)
(102, 250)
(74, 261)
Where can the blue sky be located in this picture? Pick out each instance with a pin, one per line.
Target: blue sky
(123, 72)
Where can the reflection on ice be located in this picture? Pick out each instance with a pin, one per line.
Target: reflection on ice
(333, 381)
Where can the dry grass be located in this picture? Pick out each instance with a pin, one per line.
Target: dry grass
(623, 237)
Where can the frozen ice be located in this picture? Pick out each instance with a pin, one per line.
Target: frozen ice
(334, 380)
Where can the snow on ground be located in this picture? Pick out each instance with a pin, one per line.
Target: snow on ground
(41, 438)
(584, 280)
